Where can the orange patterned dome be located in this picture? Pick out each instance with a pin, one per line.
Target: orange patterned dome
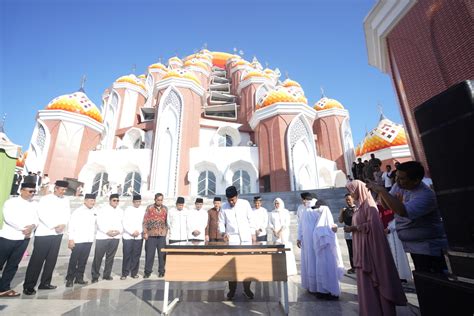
(255, 74)
(290, 83)
(76, 102)
(131, 79)
(326, 104)
(194, 62)
(282, 94)
(20, 161)
(158, 66)
(219, 59)
(182, 73)
(386, 134)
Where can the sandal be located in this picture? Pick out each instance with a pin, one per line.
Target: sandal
(9, 293)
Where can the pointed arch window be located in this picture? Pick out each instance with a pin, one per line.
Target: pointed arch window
(226, 141)
(241, 180)
(100, 180)
(41, 137)
(133, 183)
(207, 183)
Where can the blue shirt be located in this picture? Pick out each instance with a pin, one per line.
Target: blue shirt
(422, 231)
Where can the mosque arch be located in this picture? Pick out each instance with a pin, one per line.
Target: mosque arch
(132, 184)
(166, 150)
(302, 154)
(100, 179)
(347, 145)
(227, 136)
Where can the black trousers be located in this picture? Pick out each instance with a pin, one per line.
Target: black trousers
(132, 250)
(11, 252)
(349, 248)
(107, 247)
(426, 263)
(77, 262)
(262, 238)
(233, 286)
(153, 244)
(45, 251)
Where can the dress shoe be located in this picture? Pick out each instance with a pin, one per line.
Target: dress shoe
(69, 283)
(136, 276)
(47, 287)
(146, 275)
(123, 277)
(95, 280)
(108, 278)
(350, 271)
(82, 282)
(161, 275)
(248, 294)
(330, 297)
(29, 291)
(230, 295)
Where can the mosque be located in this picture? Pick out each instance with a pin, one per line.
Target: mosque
(193, 127)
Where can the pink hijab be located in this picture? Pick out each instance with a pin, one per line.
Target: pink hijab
(371, 250)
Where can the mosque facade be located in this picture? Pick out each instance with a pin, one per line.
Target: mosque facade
(194, 126)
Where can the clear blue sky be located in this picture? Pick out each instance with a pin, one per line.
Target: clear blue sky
(46, 47)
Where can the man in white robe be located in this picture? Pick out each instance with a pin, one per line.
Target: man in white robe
(132, 241)
(260, 216)
(321, 260)
(53, 213)
(197, 222)
(20, 218)
(237, 226)
(178, 218)
(81, 230)
(108, 235)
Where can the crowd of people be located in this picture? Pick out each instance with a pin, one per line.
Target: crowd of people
(383, 220)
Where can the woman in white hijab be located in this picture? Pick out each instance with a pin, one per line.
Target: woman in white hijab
(279, 223)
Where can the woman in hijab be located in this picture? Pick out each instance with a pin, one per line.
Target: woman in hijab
(279, 222)
(378, 285)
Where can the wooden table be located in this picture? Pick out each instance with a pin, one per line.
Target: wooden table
(219, 261)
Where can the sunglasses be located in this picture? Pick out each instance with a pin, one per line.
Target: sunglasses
(31, 191)
(114, 200)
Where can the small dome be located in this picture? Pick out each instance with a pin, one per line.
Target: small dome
(386, 134)
(282, 94)
(158, 66)
(326, 104)
(142, 76)
(76, 102)
(182, 73)
(290, 83)
(131, 79)
(255, 74)
(196, 63)
(219, 59)
(175, 60)
(240, 62)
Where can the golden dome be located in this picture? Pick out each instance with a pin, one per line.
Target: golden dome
(290, 83)
(158, 66)
(326, 104)
(196, 63)
(182, 73)
(131, 79)
(282, 94)
(255, 74)
(240, 62)
(142, 76)
(176, 60)
(219, 59)
(76, 102)
(386, 134)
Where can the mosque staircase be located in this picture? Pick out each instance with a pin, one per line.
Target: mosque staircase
(220, 103)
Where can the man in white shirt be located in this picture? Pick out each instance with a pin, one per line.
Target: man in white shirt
(197, 222)
(53, 212)
(387, 178)
(260, 215)
(132, 241)
(81, 231)
(107, 238)
(19, 220)
(237, 226)
(178, 218)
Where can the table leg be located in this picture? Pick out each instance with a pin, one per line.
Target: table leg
(284, 296)
(168, 307)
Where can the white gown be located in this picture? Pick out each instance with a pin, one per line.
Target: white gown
(307, 223)
(280, 219)
(398, 253)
